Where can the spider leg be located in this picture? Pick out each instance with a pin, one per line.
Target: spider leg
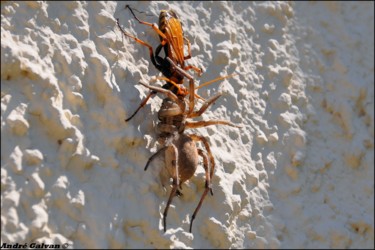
(207, 186)
(200, 124)
(199, 138)
(181, 89)
(166, 92)
(209, 169)
(205, 105)
(178, 193)
(154, 91)
(173, 163)
(191, 84)
(198, 207)
(215, 80)
(154, 156)
(143, 103)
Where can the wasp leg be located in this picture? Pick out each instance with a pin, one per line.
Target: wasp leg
(159, 67)
(196, 69)
(189, 50)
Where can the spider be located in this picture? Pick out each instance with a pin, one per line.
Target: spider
(181, 153)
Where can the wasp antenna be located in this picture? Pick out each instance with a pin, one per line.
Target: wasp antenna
(112, 28)
(131, 9)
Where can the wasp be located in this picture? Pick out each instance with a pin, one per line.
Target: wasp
(172, 41)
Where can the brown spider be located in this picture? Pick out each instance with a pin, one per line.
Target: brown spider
(181, 153)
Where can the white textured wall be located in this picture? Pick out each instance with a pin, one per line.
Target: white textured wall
(300, 174)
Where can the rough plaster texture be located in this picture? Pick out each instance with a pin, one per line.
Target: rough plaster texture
(299, 174)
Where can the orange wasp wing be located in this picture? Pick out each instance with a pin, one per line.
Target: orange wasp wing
(175, 36)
